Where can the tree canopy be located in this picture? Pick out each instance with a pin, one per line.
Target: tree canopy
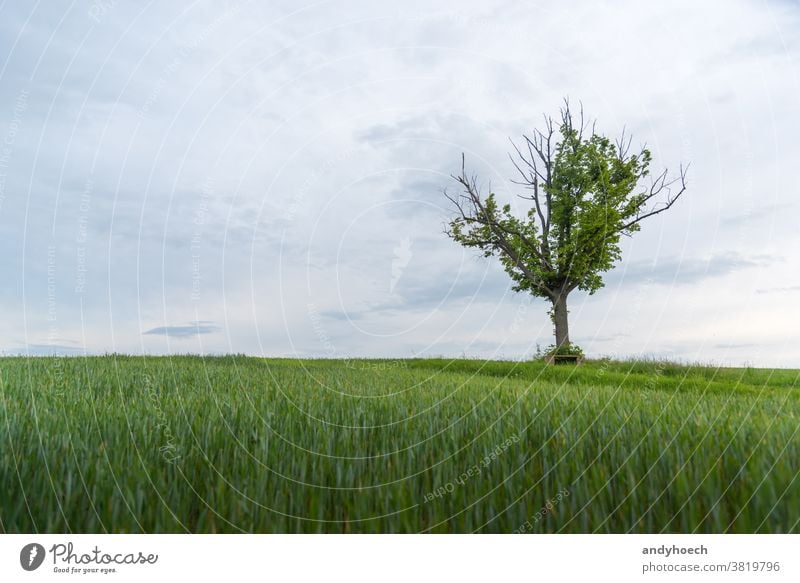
(586, 190)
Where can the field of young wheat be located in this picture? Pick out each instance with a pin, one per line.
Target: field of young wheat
(236, 444)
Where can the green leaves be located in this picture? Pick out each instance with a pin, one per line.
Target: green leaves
(569, 349)
(590, 197)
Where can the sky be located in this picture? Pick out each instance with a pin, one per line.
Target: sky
(266, 178)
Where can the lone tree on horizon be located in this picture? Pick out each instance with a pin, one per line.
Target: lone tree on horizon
(586, 192)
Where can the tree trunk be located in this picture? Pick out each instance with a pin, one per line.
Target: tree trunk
(560, 320)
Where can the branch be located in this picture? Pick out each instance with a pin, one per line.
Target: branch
(482, 216)
(531, 181)
(539, 149)
(622, 147)
(472, 211)
(658, 186)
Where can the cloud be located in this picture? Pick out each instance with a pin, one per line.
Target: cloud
(33, 349)
(752, 215)
(188, 331)
(781, 290)
(685, 271)
(342, 316)
(735, 345)
(601, 339)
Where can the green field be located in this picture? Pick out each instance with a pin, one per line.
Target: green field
(231, 444)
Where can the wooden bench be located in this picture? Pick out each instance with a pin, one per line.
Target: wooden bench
(563, 359)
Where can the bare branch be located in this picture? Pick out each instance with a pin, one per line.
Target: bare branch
(531, 181)
(658, 186)
(540, 149)
(472, 210)
(622, 147)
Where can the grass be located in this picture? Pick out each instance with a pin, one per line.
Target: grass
(231, 444)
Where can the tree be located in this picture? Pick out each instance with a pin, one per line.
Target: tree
(586, 192)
